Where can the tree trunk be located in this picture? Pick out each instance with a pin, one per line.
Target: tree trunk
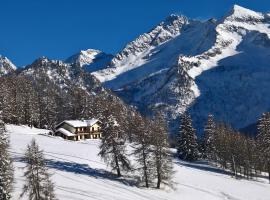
(158, 174)
(117, 163)
(158, 181)
(118, 172)
(145, 170)
(269, 172)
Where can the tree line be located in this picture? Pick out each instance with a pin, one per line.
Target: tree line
(43, 104)
(226, 147)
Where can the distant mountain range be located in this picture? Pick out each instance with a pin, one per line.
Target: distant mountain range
(215, 66)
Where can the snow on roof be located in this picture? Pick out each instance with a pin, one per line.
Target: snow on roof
(81, 123)
(65, 132)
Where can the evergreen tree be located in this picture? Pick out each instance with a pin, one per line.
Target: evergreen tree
(263, 139)
(162, 158)
(187, 147)
(209, 137)
(6, 167)
(38, 183)
(113, 145)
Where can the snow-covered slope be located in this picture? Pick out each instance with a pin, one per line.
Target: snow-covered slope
(79, 174)
(215, 66)
(90, 59)
(6, 66)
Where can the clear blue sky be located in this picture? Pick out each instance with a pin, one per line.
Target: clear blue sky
(59, 28)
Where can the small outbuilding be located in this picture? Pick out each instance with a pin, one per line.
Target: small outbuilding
(79, 129)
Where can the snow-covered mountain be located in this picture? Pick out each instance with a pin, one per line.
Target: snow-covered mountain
(62, 74)
(137, 54)
(90, 59)
(6, 66)
(215, 66)
(68, 81)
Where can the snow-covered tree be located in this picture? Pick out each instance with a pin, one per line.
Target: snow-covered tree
(263, 140)
(113, 145)
(187, 146)
(6, 167)
(162, 158)
(209, 137)
(38, 183)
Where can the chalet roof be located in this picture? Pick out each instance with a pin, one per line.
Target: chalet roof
(65, 132)
(80, 123)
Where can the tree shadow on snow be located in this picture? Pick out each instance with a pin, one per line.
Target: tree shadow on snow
(85, 169)
(204, 166)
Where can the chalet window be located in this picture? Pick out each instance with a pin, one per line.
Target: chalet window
(93, 129)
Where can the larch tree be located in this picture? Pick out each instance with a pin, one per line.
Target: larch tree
(209, 138)
(6, 167)
(142, 147)
(187, 146)
(263, 140)
(113, 144)
(38, 184)
(162, 158)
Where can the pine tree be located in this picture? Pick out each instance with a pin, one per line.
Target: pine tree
(209, 137)
(113, 145)
(6, 167)
(263, 139)
(38, 183)
(187, 146)
(162, 158)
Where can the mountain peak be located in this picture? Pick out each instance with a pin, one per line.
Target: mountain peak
(174, 18)
(4, 59)
(84, 57)
(90, 59)
(240, 13)
(239, 8)
(89, 52)
(6, 66)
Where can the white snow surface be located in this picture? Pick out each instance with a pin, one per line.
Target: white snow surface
(65, 132)
(79, 174)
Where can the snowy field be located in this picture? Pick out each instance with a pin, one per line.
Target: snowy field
(79, 174)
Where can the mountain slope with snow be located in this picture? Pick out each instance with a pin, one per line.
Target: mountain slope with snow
(79, 173)
(6, 66)
(62, 75)
(91, 60)
(215, 66)
(135, 60)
